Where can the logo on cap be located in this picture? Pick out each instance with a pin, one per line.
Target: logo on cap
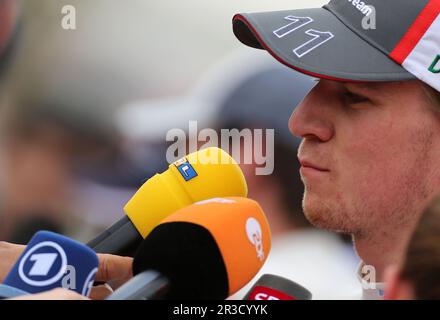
(254, 234)
(434, 64)
(362, 7)
(186, 169)
(43, 265)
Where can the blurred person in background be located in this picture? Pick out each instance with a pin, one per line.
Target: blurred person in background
(46, 137)
(227, 99)
(418, 277)
(51, 122)
(39, 141)
(59, 155)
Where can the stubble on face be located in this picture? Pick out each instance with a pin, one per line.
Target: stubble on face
(388, 195)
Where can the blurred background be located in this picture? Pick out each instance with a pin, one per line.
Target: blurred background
(85, 113)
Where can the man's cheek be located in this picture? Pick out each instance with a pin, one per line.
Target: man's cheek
(371, 153)
(365, 170)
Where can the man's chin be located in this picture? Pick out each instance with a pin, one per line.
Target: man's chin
(324, 216)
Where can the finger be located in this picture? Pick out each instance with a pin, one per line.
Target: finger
(113, 267)
(100, 292)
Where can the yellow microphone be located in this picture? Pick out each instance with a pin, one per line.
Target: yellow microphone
(201, 175)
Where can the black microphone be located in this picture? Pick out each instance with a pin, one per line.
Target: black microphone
(191, 179)
(208, 250)
(121, 239)
(147, 285)
(272, 287)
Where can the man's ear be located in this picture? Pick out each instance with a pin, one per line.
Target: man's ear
(397, 288)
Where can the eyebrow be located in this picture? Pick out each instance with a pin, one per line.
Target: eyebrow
(370, 86)
(367, 86)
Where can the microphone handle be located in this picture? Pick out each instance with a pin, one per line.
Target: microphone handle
(121, 239)
(147, 285)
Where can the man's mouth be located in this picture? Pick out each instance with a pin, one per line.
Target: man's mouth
(307, 164)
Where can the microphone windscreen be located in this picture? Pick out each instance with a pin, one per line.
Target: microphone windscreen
(271, 287)
(208, 250)
(51, 261)
(200, 175)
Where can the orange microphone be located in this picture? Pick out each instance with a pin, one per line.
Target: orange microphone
(208, 250)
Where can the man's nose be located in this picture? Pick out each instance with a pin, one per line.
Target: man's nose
(311, 118)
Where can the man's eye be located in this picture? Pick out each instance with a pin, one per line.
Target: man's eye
(353, 98)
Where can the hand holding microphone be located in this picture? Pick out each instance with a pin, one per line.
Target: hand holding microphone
(51, 261)
(200, 175)
(112, 268)
(208, 250)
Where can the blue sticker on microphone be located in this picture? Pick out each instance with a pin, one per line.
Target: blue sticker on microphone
(186, 170)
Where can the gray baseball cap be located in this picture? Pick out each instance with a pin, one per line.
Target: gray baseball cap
(352, 40)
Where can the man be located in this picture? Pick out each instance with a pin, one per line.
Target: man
(297, 251)
(370, 127)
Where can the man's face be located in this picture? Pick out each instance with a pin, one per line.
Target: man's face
(369, 154)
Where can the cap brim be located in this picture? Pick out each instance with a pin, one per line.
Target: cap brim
(340, 54)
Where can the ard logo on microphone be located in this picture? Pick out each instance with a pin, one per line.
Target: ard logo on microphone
(43, 265)
(185, 169)
(254, 234)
